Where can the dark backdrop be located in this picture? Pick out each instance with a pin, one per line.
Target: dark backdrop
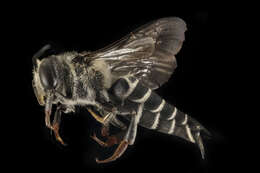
(202, 86)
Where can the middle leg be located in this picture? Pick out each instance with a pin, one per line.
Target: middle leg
(127, 139)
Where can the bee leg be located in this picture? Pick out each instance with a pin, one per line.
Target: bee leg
(117, 123)
(47, 110)
(105, 131)
(47, 119)
(100, 142)
(128, 139)
(56, 125)
(103, 120)
(119, 151)
(111, 140)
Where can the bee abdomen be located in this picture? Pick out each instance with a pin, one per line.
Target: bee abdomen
(156, 113)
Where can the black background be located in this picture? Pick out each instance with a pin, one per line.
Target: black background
(204, 86)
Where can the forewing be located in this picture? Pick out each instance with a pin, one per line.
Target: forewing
(148, 53)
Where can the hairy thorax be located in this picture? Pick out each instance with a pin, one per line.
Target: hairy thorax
(90, 83)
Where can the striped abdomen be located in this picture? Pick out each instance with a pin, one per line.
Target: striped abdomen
(155, 113)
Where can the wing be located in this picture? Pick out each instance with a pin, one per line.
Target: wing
(147, 53)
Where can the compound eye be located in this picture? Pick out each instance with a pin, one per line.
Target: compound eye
(47, 74)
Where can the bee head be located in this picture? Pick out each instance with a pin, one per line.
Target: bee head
(45, 75)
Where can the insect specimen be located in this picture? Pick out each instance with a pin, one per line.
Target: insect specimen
(118, 81)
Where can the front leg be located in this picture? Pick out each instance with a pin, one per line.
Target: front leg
(63, 107)
(56, 125)
(57, 120)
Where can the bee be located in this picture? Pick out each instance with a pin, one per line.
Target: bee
(118, 81)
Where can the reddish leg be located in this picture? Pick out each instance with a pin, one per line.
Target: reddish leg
(47, 119)
(105, 131)
(119, 151)
(112, 140)
(128, 139)
(56, 125)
